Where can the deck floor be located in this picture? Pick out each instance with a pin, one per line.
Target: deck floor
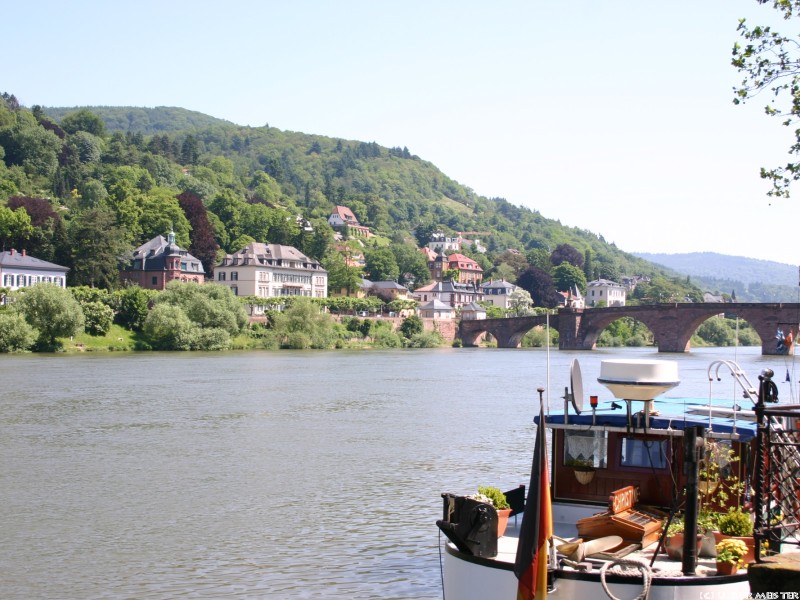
(662, 567)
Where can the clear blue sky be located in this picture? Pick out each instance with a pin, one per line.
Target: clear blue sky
(608, 115)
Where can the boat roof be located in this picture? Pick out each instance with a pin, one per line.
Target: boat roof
(718, 417)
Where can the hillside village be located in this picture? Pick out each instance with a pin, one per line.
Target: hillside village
(89, 201)
(262, 270)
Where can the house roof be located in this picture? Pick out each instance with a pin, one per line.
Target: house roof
(11, 259)
(447, 287)
(153, 254)
(436, 304)
(603, 283)
(464, 261)
(260, 253)
(473, 307)
(345, 213)
(429, 254)
(501, 284)
(388, 285)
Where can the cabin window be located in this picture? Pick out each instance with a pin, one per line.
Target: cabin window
(586, 448)
(644, 454)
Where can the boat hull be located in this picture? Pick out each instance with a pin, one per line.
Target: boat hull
(470, 578)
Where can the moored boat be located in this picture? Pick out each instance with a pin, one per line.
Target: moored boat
(620, 470)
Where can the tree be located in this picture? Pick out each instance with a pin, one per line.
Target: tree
(412, 264)
(341, 276)
(381, 265)
(519, 302)
(83, 120)
(98, 247)
(412, 326)
(229, 208)
(588, 265)
(16, 335)
(539, 285)
(566, 253)
(567, 277)
(51, 310)
(303, 325)
(207, 306)
(771, 61)
(98, 318)
(203, 246)
(15, 227)
(133, 305)
(423, 233)
(168, 328)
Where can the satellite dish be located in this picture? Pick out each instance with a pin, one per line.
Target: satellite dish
(576, 385)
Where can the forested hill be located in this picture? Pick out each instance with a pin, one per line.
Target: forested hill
(123, 175)
(752, 280)
(389, 189)
(147, 121)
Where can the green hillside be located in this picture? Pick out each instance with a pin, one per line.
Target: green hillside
(749, 279)
(125, 166)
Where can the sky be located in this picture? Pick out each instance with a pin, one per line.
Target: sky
(611, 116)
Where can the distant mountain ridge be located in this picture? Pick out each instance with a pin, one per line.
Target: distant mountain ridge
(750, 279)
(147, 121)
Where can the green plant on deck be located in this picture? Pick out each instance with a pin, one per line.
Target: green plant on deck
(719, 482)
(735, 522)
(493, 496)
(676, 525)
(731, 551)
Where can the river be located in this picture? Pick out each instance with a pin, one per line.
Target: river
(266, 474)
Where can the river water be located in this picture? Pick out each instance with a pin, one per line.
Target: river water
(267, 474)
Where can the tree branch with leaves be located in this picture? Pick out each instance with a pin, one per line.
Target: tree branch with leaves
(770, 62)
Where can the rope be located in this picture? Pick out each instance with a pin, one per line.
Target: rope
(647, 576)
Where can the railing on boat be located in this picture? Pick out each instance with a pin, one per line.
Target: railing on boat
(777, 478)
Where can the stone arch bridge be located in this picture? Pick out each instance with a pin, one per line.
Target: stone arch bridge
(672, 324)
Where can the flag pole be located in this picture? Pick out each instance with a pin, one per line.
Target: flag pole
(533, 554)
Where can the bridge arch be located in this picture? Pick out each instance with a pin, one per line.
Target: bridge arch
(672, 325)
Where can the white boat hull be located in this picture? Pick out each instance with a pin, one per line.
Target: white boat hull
(468, 578)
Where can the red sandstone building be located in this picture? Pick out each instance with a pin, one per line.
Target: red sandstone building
(160, 261)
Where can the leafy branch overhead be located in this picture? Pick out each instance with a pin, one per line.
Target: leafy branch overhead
(770, 62)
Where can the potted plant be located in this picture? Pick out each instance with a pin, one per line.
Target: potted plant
(706, 526)
(493, 496)
(737, 524)
(730, 555)
(583, 469)
(673, 544)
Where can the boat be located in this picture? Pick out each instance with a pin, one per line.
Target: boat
(619, 470)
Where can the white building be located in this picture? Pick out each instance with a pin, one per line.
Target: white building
(436, 309)
(498, 293)
(603, 290)
(451, 293)
(18, 270)
(442, 244)
(272, 270)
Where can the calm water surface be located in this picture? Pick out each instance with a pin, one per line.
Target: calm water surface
(266, 475)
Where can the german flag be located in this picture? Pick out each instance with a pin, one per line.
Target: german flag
(537, 523)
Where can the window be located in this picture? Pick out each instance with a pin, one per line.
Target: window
(586, 446)
(645, 454)
(154, 280)
(235, 290)
(221, 276)
(234, 275)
